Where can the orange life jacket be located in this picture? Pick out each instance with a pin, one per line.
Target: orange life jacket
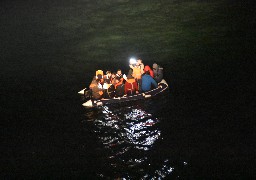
(136, 73)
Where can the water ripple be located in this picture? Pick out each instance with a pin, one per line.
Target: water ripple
(129, 135)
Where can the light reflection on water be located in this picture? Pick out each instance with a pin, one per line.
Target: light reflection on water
(129, 134)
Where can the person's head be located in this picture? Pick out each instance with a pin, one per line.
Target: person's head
(113, 75)
(99, 79)
(99, 76)
(119, 71)
(129, 72)
(139, 61)
(108, 73)
(155, 66)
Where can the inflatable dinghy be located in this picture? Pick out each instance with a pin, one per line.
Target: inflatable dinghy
(162, 86)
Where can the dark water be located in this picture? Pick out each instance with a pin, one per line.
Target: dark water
(202, 128)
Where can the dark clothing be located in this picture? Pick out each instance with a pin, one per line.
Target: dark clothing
(110, 92)
(158, 73)
(97, 91)
(129, 74)
(120, 90)
(147, 82)
(119, 77)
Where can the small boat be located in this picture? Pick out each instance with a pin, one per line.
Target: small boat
(162, 86)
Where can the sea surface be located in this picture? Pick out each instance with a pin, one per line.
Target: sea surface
(203, 127)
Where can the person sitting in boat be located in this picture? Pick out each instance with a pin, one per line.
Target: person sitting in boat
(112, 78)
(99, 75)
(147, 68)
(119, 76)
(147, 82)
(109, 92)
(109, 88)
(95, 82)
(119, 88)
(107, 77)
(158, 72)
(97, 90)
(130, 86)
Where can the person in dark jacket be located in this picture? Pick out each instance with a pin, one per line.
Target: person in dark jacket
(119, 88)
(110, 93)
(113, 78)
(107, 77)
(109, 89)
(119, 75)
(158, 72)
(97, 90)
(147, 82)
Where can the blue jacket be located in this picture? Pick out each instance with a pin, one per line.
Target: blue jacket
(146, 82)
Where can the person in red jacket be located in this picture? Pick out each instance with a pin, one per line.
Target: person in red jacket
(147, 68)
(131, 86)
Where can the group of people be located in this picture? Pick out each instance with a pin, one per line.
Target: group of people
(139, 79)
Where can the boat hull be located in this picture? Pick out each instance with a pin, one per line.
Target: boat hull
(162, 86)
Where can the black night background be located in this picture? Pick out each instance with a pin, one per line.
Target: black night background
(49, 50)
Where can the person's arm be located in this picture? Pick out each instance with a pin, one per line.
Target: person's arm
(160, 73)
(154, 82)
(93, 83)
(142, 68)
(120, 82)
(97, 92)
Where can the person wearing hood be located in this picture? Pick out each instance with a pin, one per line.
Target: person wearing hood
(147, 68)
(131, 86)
(158, 72)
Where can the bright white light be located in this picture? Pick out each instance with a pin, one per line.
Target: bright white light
(132, 61)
